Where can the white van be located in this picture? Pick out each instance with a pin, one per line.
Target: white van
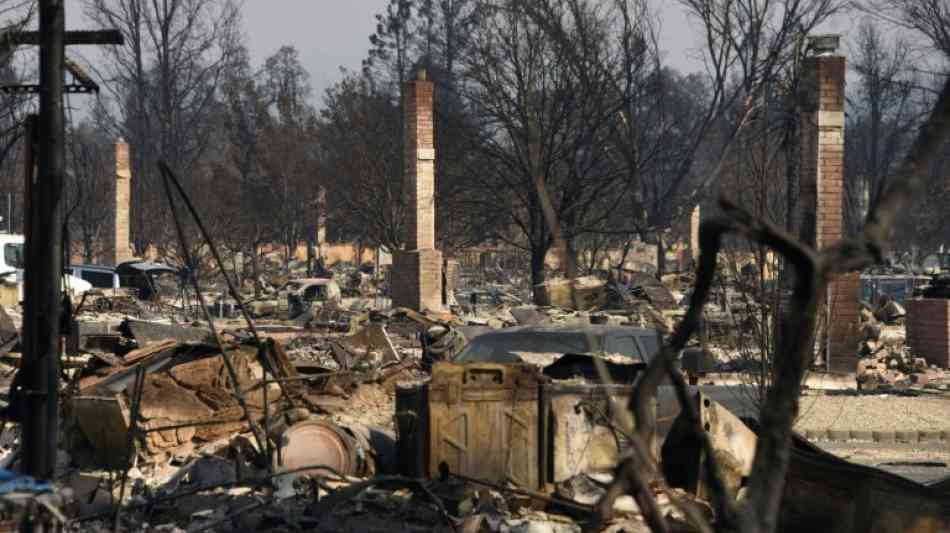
(13, 261)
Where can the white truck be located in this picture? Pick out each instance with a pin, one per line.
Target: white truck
(13, 261)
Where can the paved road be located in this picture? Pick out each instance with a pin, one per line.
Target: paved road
(920, 462)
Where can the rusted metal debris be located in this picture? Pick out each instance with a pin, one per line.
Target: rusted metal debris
(491, 446)
(507, 423)
(145, 332)
(322, 446)
(372, 337)
(822, 491)
(734, 442)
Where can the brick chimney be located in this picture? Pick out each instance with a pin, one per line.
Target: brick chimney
(822, 190)
(694, 220)
(322, 221)
(120, 247)
(322, 215)
(417, 270)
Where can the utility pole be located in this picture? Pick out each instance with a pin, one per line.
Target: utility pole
(42, 289)
(38, 390)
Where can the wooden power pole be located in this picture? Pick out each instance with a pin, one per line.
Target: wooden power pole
(39, 381)
(44, 262)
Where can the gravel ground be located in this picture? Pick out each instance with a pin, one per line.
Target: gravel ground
(874, 413)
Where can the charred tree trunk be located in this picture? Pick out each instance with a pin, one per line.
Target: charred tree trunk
(88, 252)
(661, 257)
(311, 242)
(256, 271)
(538, 277)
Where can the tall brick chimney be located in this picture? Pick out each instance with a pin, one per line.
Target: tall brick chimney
(321, 220)
(120, 248)
(322, 215)
(694, 220)
(417, 270)
(822, 190)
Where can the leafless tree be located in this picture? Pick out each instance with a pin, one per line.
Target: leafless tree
(361, 143)
(750, 48)
(15, 68)
(245, 112)
(927, 224)
(543, 125)
(882, 112)
(163, 84)
(758, 511)
(747, 44)
(90, 184)
(288, 156)
(931, 18)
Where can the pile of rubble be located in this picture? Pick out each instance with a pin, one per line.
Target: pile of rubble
(332, 415)
(628, 298)
(886, 362)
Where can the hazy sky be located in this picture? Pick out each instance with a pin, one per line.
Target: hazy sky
(335, 33)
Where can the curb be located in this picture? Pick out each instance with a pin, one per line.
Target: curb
(888, 437)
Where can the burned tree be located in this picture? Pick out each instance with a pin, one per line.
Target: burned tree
(361, 143)
(14, 106)
(758, 512)
(883, 111)
(245, 109)
(288, 155)
(89, 188)
(163, 83)
(931, 18)
(540, 130)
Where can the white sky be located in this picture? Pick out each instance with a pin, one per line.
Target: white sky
(330, 34)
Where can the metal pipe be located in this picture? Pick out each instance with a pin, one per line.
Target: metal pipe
(269, 449)
(130, 441)
(228, 364)
(42, 291)
(170, 176)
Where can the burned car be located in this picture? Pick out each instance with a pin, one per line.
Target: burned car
(296, 297)
(535, 392)
(543, 345)
(302, 294)
(566, 352)
(152, 281)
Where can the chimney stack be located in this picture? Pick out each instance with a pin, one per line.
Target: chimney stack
(822, 189)
(417, 270)
(121, 248)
